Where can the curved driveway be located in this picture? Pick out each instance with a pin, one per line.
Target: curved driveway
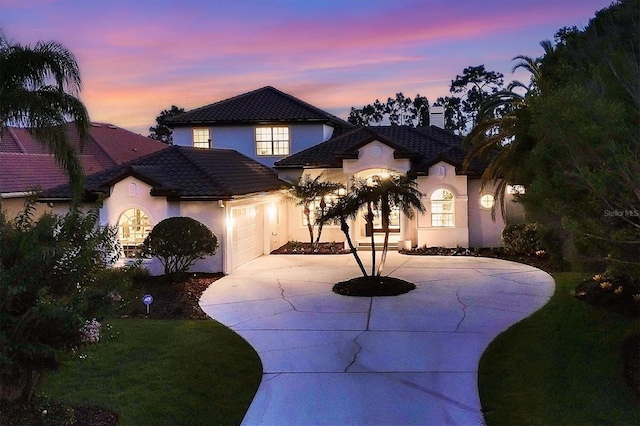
(409, 359)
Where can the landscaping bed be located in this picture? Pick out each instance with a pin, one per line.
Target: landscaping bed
(296, 247)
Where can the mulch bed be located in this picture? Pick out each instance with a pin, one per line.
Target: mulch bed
(373, 286)
(296, 247)
(171, 300)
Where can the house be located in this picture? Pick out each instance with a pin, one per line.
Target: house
(236, 197)
(26, 166)
(265, 124)
(232, 158)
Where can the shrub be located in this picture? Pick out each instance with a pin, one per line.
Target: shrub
(47, 292)
(522, 239)
(179, 242)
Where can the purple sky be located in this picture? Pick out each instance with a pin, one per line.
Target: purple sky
(140, 57)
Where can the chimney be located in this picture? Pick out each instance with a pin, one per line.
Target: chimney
(436, 116)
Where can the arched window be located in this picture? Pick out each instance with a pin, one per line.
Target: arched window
(442, 209)
(487, 201)
(133, 227)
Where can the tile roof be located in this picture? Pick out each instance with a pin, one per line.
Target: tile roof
(26, 164)
(181, 172)
(424, 146)
(266, 104)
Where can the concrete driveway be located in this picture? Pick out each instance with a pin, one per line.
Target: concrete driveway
(403, 360)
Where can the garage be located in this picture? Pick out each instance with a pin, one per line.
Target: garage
(247, 240)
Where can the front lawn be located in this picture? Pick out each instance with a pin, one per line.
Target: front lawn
(162, 372)
(562, 365)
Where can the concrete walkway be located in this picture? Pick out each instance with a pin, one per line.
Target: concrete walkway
(404, 360)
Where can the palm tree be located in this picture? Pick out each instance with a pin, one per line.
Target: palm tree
(307, 191)
(39, 86)
(381, 194)
(343, 209)
(400, 192)
(500, 136)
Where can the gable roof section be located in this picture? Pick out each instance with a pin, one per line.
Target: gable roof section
(26, 164)
(424, 146)
(267, 104)
(186, 173)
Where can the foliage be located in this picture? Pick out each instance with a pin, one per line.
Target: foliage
(197, 373)
(521, 239)
(572, 138)
(39, 86)
(561, 365)
(47, 292)
(475, 84)
(313, 194)
(161, 131)
(179, 242)
(379, 195)
(397, 111)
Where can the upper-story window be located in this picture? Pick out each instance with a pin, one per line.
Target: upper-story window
(272, 141)
(442, 209)
(201, 138)
(487, 201)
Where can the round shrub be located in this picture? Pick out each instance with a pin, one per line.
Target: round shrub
(522, 239)
(179, 242)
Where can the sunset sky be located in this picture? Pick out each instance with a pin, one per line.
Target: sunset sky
(140, 57)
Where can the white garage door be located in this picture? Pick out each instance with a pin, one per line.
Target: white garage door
(248, 234)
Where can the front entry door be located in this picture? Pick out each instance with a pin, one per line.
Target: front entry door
(394, 222)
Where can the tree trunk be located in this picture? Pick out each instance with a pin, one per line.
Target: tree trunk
(385, 245)
(373, 241)
(345, 229)
(307, 213)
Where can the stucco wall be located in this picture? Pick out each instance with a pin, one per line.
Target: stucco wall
(483, 231)
(443, 176)
(242, 138)
(12, 207)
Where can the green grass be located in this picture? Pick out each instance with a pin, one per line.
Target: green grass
(562, 365)
(162, 372)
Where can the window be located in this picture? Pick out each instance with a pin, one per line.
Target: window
(315, 209)
(442, 213)
(272, 141)
(133, 227)
(201, 138)
(487, 201)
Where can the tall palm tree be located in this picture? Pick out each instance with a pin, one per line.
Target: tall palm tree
(343, 209)
(395, 192)
(499, 136)
(39, 89)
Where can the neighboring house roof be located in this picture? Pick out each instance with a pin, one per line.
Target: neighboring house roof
(26, 164)
(264, 105)
(185, 173)
(423, 146)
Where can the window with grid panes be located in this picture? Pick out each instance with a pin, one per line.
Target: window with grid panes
(272, 141)
(201, 138)
(442, 209)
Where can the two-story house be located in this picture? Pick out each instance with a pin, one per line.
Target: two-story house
(231, 159)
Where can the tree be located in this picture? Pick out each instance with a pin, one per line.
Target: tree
(343, 209)
(179, 242)
(161, 131)
(379, 195)
(475, 84)
(398, 111)
(48, 291)
(312, 195)
(572, 138)
(39, 86)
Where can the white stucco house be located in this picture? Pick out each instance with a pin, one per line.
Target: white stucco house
(231, 160)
